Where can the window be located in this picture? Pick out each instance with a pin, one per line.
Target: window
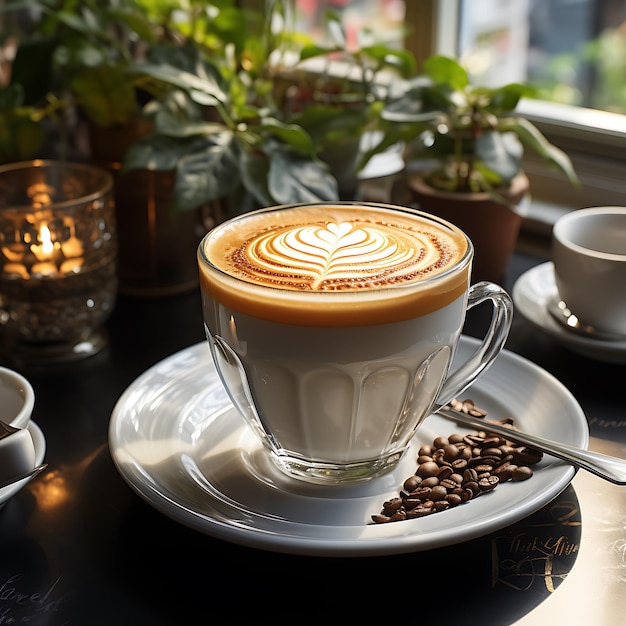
(573, 50)
(384, 17)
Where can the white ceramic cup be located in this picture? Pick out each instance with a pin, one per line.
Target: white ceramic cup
(17, 398)
(336, 381)
(589, 256)
(17, 450)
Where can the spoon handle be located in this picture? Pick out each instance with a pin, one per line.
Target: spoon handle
(30, 474)
(6, 429)
(610, 468)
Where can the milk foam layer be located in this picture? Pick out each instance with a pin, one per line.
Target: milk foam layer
(335, 249)
(340, 255)
(323, 260)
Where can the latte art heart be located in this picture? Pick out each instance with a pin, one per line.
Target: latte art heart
(340, 255)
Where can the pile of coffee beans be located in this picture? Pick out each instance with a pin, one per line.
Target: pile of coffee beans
(458, 468)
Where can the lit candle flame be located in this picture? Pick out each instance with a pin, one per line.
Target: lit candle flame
(47, 247)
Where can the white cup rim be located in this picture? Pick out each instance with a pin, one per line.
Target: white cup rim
(28, 394)
(560, 231)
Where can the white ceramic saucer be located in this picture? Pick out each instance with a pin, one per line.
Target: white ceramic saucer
(179, 443)
(532, 292)
(40, 450)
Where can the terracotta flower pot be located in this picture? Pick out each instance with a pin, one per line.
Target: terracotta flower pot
(492, 226)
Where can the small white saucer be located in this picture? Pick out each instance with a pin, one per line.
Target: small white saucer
(180, 444)
(40, 450)
(532, 292)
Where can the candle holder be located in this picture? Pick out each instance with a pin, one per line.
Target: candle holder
(58, 250)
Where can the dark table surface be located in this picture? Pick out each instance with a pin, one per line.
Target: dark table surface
(78, 546)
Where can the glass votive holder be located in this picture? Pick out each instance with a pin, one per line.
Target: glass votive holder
(58, 251)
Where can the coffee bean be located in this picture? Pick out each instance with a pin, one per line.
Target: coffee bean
(398, 516)
(453, 499)
(473, 486)
(438, 493)
(420, 511)
(493, 452)
(467, 494)
(393, 505)
(411, 503)
(488, 483)
(470, 474)
(457, 469)
(483, 468)
(444, 472)
(527, 456)
(421, 493)
(451, 452)
(412, 482)
(427, 469)
(459, 464)
(521, 473)
(448, 483)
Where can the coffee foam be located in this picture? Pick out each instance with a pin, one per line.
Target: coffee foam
(322, 261)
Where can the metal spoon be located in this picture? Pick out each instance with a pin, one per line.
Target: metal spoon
(29, 474)
(566, 318)
(607, 467)
(7, 429)
(18, 455)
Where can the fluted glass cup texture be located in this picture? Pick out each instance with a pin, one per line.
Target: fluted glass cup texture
(335, 381)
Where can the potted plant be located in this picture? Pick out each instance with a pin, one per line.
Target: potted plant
(256, 127)
(468, 146)
(336, 93)
(84, 53)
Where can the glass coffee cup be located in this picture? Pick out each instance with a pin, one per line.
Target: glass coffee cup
(333, 327)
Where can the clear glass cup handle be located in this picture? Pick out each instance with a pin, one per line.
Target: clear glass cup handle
(491, 345)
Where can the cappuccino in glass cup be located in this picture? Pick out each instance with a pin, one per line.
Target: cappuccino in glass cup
(333, 325)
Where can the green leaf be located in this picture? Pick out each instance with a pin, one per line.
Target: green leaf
(177, 116)
(447, 71)
(506, 98)
(209, 172)
(156, 152)
(293, 178)
(325, 124)
(291, 134)
(401, 60)
(136, 21)
(254, 171)
(311, 51)
(417, 100)
(501, 153)
(534, 140)
(335, 29)
(106, 95)
(207, 85)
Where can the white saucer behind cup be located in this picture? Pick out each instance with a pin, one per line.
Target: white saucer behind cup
(589, 256)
